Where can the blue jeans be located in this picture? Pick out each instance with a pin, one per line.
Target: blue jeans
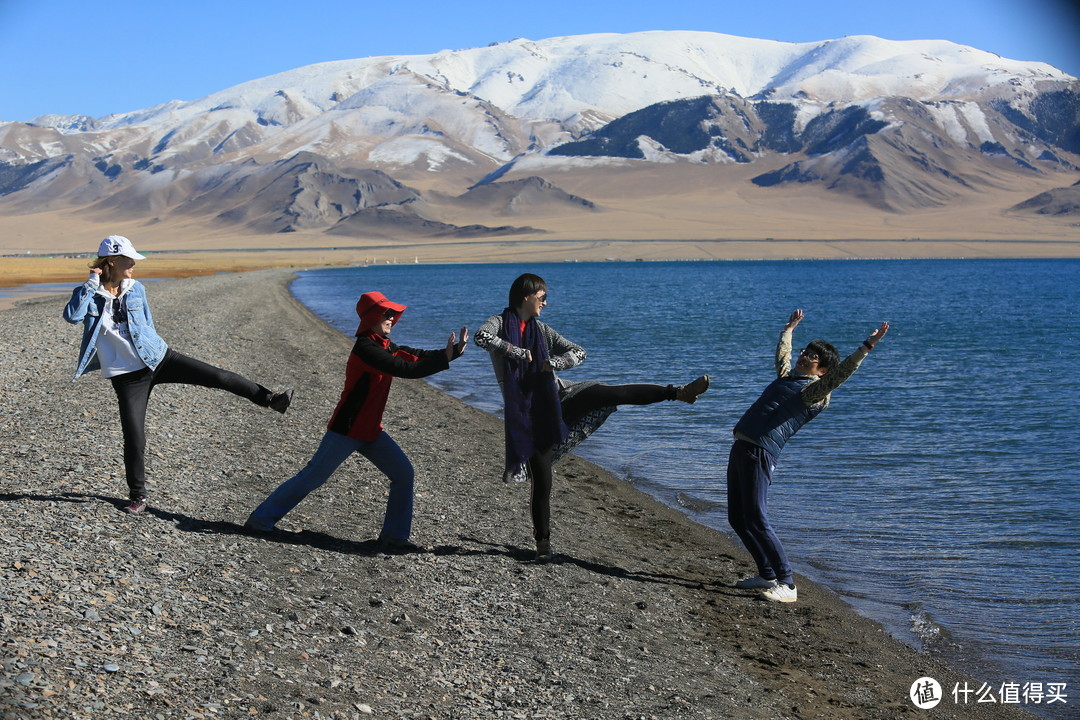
(333, 450)
(749, 474)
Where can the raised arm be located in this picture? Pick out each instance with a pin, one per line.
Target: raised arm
(783, 345)
(75, 310)
(834, 377)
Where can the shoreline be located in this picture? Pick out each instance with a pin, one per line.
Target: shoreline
(638, 619)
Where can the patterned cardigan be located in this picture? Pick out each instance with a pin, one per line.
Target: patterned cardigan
(562, 353)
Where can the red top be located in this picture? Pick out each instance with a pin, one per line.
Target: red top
(373, 364)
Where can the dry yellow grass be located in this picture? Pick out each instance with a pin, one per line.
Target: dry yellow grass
(646, 211)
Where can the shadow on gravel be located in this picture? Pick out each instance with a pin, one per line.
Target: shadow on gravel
(64, 497)
(185, 523)
(370, 548)
(527, 555)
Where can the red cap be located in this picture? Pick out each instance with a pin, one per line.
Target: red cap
(371, 307)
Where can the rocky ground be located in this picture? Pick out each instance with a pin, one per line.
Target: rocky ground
(182, 614)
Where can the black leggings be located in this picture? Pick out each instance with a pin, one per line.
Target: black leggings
(591, 398)
(133, 392)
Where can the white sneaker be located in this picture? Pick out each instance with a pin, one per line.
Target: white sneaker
(781, 593)
(755, 583)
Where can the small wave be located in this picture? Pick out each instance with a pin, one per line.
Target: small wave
(697, 504)
(932, 637)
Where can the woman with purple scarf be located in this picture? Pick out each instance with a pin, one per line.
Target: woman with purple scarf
(546, 417)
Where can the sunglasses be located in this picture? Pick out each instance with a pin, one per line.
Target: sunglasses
(542, 297)
(811, 356)
(119, 312)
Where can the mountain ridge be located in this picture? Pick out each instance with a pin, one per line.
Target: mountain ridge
(899, 125)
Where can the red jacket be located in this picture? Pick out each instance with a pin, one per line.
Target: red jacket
(374, 363)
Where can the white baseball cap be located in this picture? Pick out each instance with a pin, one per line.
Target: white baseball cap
(118, 245)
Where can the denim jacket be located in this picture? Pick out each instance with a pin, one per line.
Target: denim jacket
(86, 306)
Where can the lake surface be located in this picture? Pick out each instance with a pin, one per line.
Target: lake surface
(938, 493)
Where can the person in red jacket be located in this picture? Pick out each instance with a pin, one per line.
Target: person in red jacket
(356, 425)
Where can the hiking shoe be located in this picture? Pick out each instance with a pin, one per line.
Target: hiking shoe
(689, 393)
(755, 583)
(281, 401)
(137, 506)
(543, 551)
(781, 593)
(401, 546)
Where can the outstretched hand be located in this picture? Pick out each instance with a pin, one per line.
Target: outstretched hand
(877, 334)
(455, 347)
(795, 319)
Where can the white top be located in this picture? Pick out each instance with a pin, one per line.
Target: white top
(115, 351)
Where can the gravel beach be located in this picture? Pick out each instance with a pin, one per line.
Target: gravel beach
(181, 613)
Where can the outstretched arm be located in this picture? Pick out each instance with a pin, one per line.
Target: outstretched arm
(389, 362)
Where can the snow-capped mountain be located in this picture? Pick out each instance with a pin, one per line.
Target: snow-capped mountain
(861, 115)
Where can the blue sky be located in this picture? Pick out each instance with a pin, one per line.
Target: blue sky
(95, 58)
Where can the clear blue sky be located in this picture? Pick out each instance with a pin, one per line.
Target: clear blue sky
(95, 58)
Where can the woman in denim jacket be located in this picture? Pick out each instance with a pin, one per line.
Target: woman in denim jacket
(120, 340)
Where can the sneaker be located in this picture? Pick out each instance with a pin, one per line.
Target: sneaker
(689, 393)
(137, 506)
(781, 593)
(755, 583)
(281, 401)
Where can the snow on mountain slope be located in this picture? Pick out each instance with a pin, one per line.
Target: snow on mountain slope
(563, 78)
(460, 116)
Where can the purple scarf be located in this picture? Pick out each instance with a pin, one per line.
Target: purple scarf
(533, 414)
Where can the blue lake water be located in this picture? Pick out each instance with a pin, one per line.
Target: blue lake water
(939, 492)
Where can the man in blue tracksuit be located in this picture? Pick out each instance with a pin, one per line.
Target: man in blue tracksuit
(789, 402)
